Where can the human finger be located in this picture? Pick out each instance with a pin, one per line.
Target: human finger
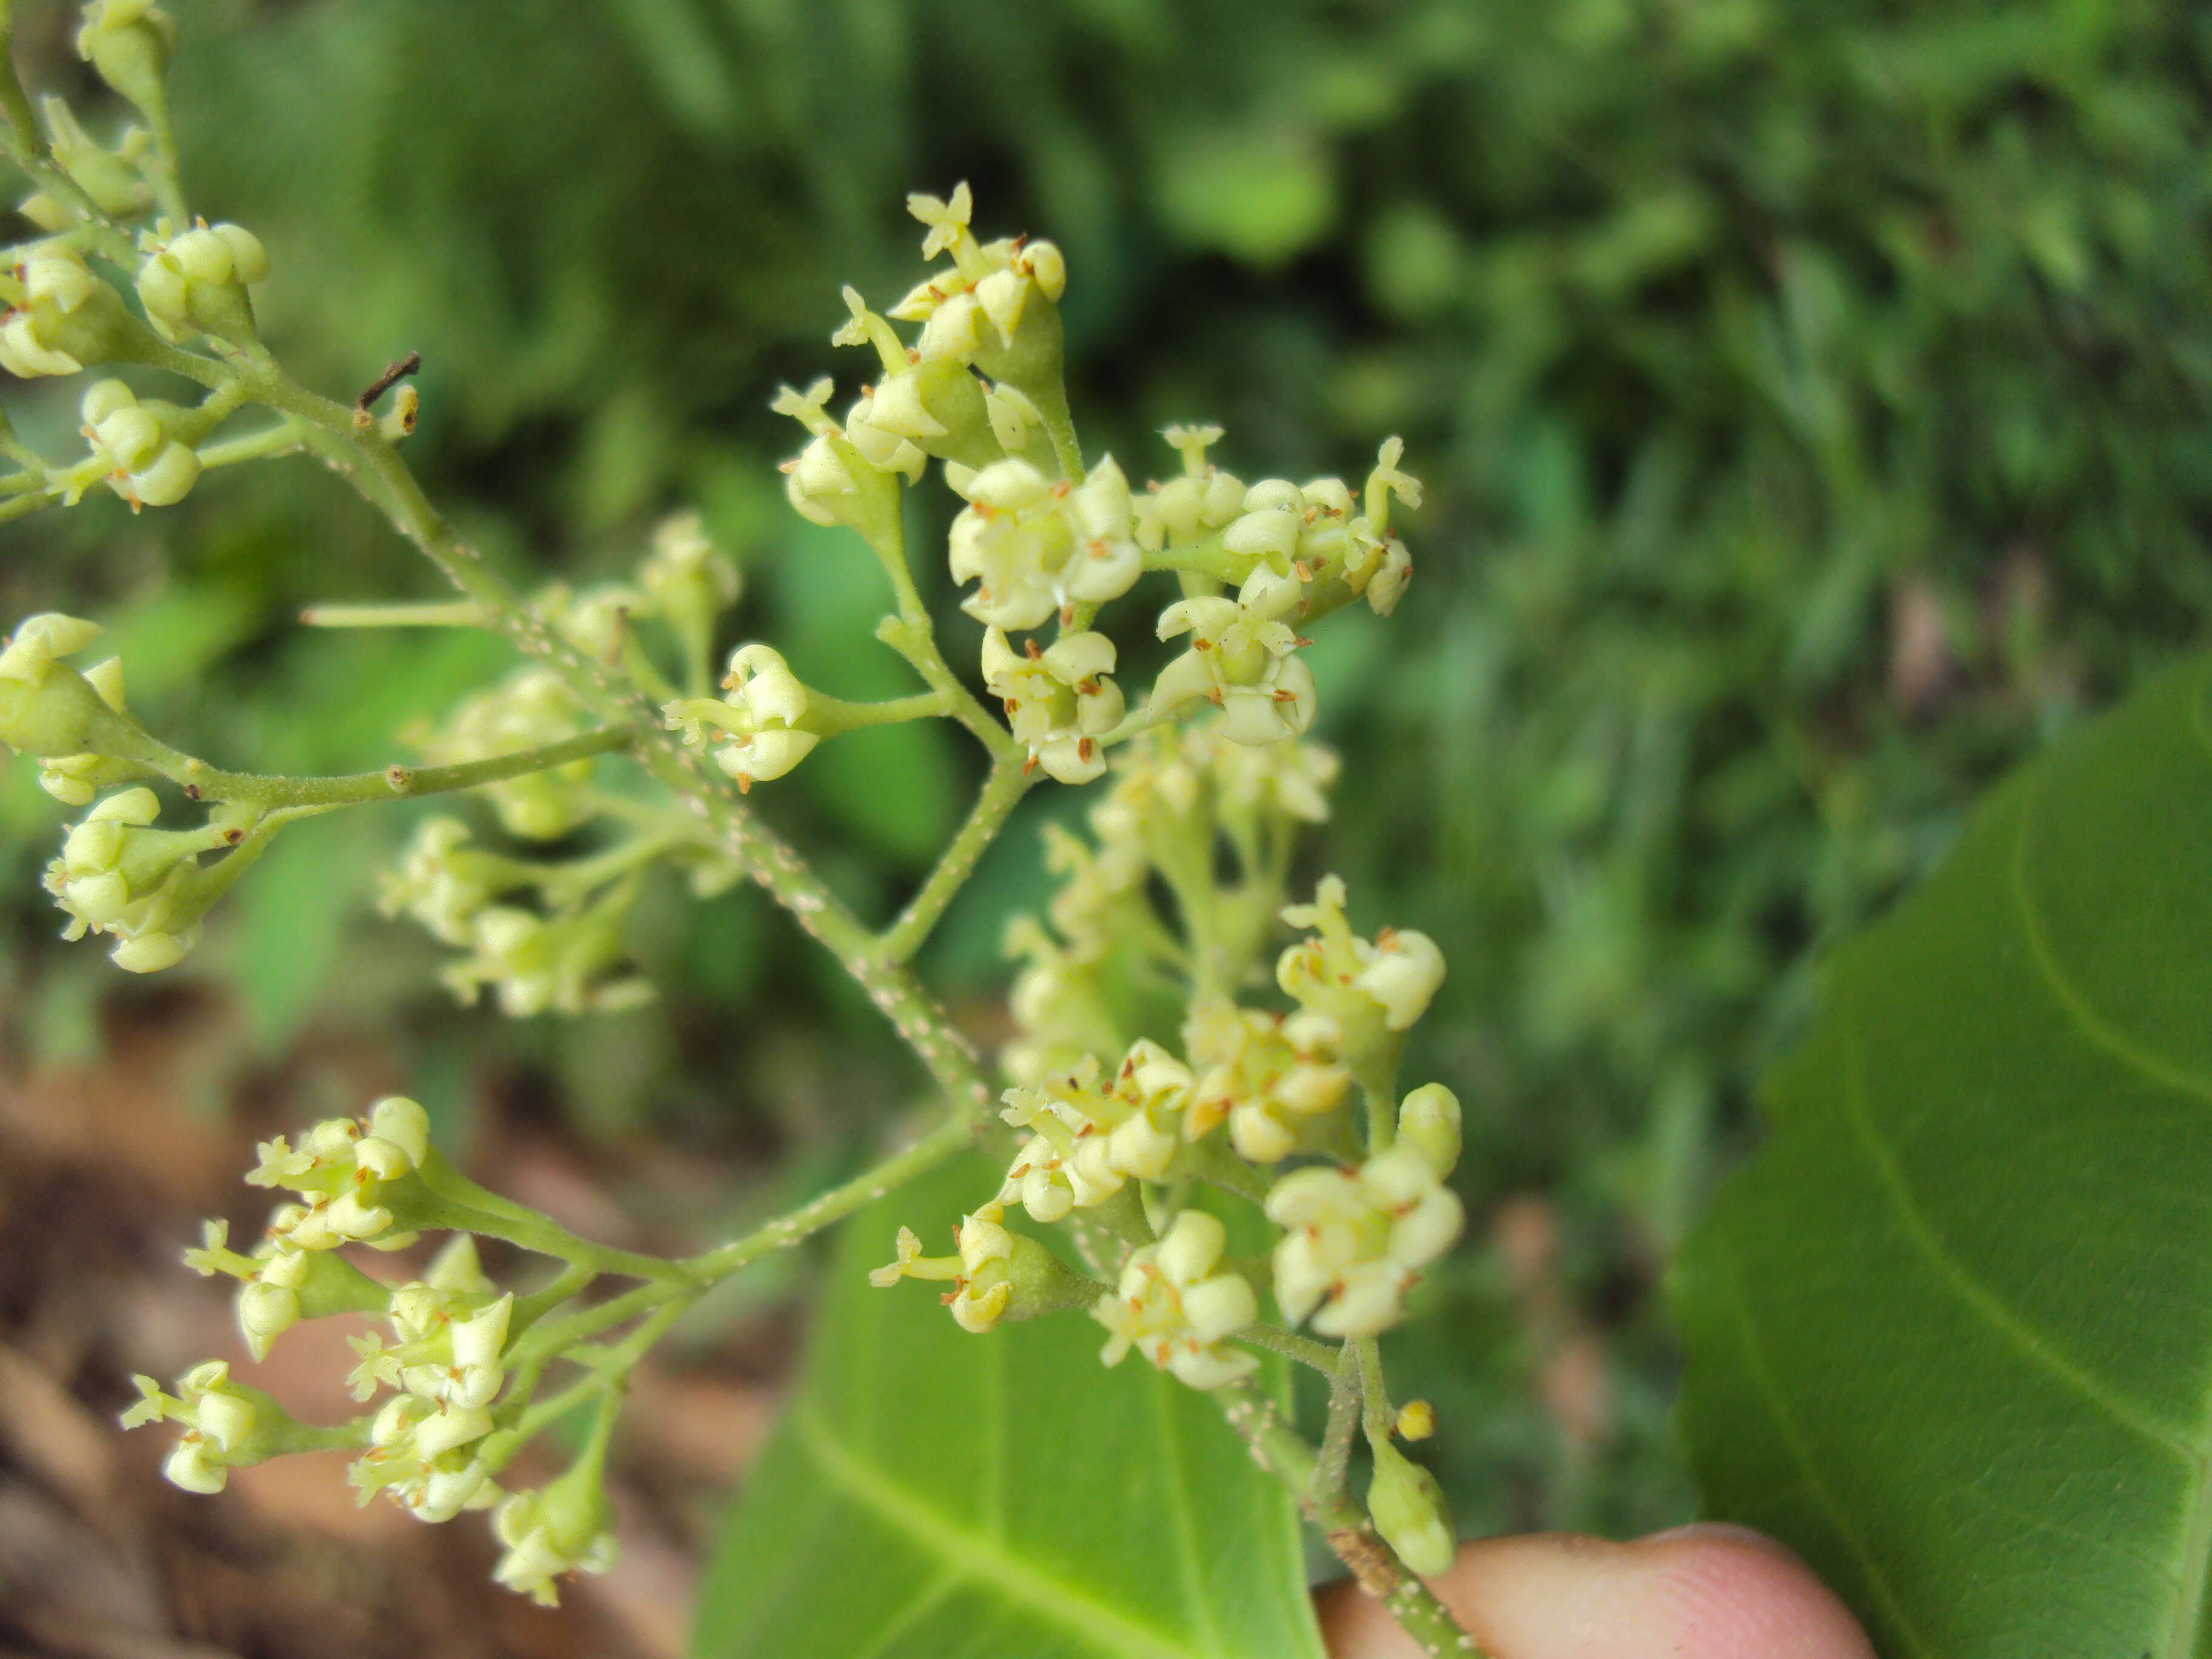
(1703, 1592)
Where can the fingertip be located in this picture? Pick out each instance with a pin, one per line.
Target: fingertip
(1697, 1593)
(1729, 1592)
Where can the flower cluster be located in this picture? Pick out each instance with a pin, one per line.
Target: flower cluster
(565, 953)
(64, 319)
(533, 963)
(48, 709)
(1354, 1240)
(1100, 1112)
(562, 963)
(1176, 791)
(1036, 548)
(1088, 1138)
(194, 282)
(1264, 1073)
(1155, 1078)
(1046, 539)
(356, 1180)
(1175, 1304)
(1058, 700)
(455, 1392)
(143, 887)
(450, 1326)
(227, 1425)
(154, 463)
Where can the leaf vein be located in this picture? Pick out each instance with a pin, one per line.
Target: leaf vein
(1178, 1499)
(2099, 1029)
(2195, 1564)
(1792, 1438)
(1953, 1274)
(927, 1602)
(983, 1559)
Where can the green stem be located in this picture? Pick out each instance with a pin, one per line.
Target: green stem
(1374, 1394)
(1381, 1118)
(955, 1135)
(393, 783)
(913, 636)
(316, 1436)
(1212, 1162)
(1050, 397)
(679, 1283)
(1206, 558)
(827, 716)
(1290, 1346)
(609, 1373)
(284, 438)
(435, 613)
(163, 175)
(23, 137)
(1283, 1452)
(1002, 791)
(1332, 1469)
(560, 882)
(529, 1310)
(640, 668)
(494, 1216)
(551, 1337)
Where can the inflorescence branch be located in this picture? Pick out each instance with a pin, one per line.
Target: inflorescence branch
(1280, 1108)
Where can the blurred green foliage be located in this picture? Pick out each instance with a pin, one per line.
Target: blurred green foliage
(1812, 400)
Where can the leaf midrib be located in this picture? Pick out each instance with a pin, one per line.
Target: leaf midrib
(981, 1559)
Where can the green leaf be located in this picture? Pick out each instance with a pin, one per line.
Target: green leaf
(932, 1494)
(1950, 1330)
(294, 912)
(1262, 196)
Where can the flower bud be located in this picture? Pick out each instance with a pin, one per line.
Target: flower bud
(830, 481)
(1408, 1510)
(152, 466)
(561, 1529)
(127, 42)
(111, 178)
(1429, 1123)
(1403, 976)
(70, 316)
(47, 708)
(999, 1274)
(196, 282)
(1417, 1420)
(756, 731)
(687, 582)
(227, 1425)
